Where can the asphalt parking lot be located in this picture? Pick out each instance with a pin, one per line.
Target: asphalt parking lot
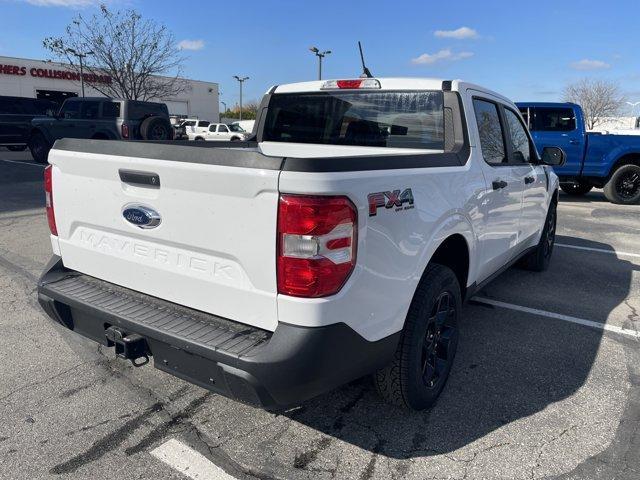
(546, 382)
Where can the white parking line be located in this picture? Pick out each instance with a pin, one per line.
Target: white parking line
(22, 163)
(189, 462)
(600, 250)
(558, 316)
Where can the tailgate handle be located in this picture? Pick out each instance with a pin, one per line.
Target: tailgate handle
(136, 177)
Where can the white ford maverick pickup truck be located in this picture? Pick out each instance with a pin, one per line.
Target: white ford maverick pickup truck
(339, 241)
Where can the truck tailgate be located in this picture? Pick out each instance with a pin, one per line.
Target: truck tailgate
(214, 248)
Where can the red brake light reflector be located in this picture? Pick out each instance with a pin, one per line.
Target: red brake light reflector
(352, 84)
(48, 192)
(349, 83)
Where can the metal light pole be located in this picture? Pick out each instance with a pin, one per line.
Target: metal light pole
(80, 56)
(316, 51)
(241, 80)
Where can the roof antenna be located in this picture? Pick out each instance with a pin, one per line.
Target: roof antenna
(365, 71)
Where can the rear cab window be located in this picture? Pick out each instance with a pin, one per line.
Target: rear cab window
(394, 119)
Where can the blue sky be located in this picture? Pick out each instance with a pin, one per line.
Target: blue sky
(525, 50)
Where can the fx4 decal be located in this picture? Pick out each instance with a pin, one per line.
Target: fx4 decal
(388, 200)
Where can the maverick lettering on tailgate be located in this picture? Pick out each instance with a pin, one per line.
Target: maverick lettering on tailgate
(388, 200)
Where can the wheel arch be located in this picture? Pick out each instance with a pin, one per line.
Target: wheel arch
(453, 245)
(631, 158)
(454, 253)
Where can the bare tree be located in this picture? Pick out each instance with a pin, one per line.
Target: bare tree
(598, 98)
(132, 58)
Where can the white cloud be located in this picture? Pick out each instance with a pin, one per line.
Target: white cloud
(440, 56)
(191, 45)
(462, 33)
(587, 64)
(63, 3)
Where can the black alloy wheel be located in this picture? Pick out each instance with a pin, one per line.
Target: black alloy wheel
(436, 348)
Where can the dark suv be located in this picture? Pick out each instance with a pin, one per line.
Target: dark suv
(100, 118)
(16, 114)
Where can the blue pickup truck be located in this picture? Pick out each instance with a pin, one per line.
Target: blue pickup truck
(610, 162)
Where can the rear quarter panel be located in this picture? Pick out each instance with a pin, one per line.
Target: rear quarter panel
(394, 247)
(603, 151)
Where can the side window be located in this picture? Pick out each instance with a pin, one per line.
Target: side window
(518, 137)
(110, 109)
(222, 128)
(89, 110)
(70, 110)
(490, 130)
(212, 128)
(203, 124)
(555, 119)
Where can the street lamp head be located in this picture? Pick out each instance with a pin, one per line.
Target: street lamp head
(326, 52)
(71, 50)
(314, 49)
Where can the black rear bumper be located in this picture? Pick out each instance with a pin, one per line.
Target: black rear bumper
(269, 369)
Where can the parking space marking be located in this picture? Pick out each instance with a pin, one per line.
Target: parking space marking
(22, 163)
(558, 316)
(600, 250)
(189, 462)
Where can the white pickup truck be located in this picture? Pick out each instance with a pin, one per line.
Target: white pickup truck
(340, 241)
(217, 132)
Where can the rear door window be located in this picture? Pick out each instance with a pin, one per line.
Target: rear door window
(89, 110)
(490, 131)
(70, 110)
(358, 118)
(223, 129)
(549, 119)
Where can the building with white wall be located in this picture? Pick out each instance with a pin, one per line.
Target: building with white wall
(22, 77)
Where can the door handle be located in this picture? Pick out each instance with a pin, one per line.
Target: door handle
(498, 184)
(573, 141)
(528, 180)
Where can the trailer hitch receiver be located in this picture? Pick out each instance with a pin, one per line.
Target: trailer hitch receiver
(131, 347)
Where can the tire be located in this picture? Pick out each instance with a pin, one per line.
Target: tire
(576, 189)
(199, 139)
(235, 139)
(156, 128)
(39, 147)
(429, 339)
(624, 185)
(16, 148)
(539, 259)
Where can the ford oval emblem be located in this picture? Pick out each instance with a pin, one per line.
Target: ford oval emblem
(141, 216)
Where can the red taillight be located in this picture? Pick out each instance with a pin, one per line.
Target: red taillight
(316, 244)
(125, 130)
(48, 192)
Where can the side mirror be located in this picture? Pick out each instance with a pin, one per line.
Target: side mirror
(553, 156)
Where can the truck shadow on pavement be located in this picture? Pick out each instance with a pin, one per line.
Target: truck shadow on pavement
(509, 366)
